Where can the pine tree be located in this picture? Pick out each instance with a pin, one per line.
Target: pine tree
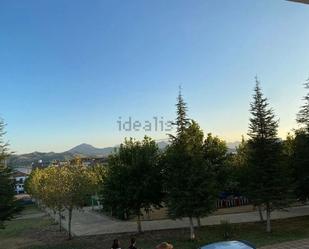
(8, 204)
(300, 158)
(190, 184)
(263, 125)
(267, 179)
(182, 121)
(303, 114)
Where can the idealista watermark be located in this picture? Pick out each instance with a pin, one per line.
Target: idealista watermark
(155, 124)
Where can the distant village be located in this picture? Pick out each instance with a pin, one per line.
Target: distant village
(22, 173)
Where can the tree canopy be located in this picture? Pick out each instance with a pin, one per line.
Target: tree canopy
(133, 181)
(8, 204)
(189, 178)
(63, 188)
(267, 183)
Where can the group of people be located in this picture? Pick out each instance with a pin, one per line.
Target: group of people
(163, 245)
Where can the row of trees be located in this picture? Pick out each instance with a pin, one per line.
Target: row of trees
(189, 174)
(186, 177)
(63, 188)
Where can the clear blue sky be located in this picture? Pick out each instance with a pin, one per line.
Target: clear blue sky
(69, 69)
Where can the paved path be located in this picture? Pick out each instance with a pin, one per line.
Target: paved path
(30, 216)
(88, 222)
(298, 244)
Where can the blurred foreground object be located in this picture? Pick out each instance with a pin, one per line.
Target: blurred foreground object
(229, 245)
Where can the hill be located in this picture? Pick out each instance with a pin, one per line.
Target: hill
(89, 150)
(82, 150)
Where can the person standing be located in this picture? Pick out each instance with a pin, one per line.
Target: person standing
(116, 244)
(164, 245)
(132, 244)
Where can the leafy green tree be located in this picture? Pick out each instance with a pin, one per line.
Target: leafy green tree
(237, 164)
(47, 187)
(241, 155)
(268, 183)
(8, 204)
(79, 183)
(190, 182)
(63, 188)
(216, 156)
(238, 172)
(300, 162)
(133, 182)
(189, 178)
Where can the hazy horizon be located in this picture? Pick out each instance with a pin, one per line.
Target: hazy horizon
(69, 71)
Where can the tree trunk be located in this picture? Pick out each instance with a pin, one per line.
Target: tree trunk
(198, 219)
(139, 224)
(69, 222)
(261, 213)
(60, 219)
(192, 234)
(268, 225)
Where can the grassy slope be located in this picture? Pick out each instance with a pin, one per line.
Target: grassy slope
(16, 233)
(41, 234)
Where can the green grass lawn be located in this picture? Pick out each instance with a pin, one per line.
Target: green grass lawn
(19, 227)
(41, 233)
(17, 232)
(30, 209)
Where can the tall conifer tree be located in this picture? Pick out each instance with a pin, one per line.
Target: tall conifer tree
(303, 114)
(300, 159)
(182, 121)
(190, 186)
(267, 179)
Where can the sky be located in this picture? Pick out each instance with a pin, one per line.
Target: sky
(71, 70)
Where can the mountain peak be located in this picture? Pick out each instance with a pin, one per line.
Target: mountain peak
(89, 150)
(82, 145)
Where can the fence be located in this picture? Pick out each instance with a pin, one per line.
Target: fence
(232, 202)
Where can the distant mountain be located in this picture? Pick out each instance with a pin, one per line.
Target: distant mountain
(82, 150)
(232, 146)
(162, 144)
(25, 160)
(89, 150)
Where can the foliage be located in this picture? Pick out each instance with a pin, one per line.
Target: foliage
(62, 188)
(182, 121)
(238, 180)
(267, 175)
(215, 155)
(299, 148)
(189, 178)
(300, 162)
(8, 204)
(133, 181)
(303, 114)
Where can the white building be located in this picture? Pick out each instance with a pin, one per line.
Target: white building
(20, 179)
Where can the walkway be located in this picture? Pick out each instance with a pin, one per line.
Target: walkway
(88, 222)
(297, 244)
